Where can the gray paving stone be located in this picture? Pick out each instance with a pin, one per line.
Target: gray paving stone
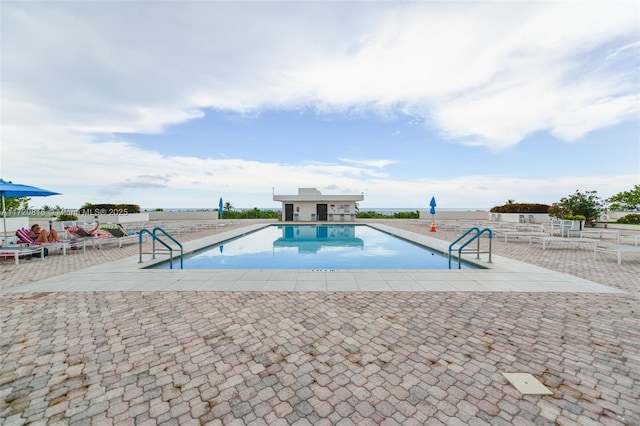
(115, 357)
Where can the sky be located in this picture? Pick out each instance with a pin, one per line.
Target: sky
(174, 104)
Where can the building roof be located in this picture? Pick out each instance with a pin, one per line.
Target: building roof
(312, 194)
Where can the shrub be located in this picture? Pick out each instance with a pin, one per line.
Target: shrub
(407, 215)
(586, 204)
(65, 217)
(254, 213)
(630, 219)
(370, 215)
(396, 215)
(521, 208)
(573, 217)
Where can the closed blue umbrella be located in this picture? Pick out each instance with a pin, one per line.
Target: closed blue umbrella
(220, 208)
(433, 212)
(433, 205)
(10, 190)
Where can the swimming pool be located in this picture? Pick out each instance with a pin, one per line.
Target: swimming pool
(316, 247)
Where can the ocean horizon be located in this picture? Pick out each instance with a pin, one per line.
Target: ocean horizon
(381, 210)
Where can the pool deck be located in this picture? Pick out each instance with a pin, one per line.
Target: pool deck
(502, 274)
(91, 338)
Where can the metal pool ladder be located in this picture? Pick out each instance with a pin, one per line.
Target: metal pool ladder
(168, 248)
(476, 236)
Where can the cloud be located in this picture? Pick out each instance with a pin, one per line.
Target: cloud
(75, 74)
(378, 164)
(142, 182)
(126, 67)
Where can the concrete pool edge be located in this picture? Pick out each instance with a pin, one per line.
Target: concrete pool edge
(503, 275)
(379, 258)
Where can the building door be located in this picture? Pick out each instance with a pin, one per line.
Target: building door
(288, 212)
(321, 212)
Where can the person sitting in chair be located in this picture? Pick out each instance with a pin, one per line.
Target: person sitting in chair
(91, 231)
(40, 235)
(81, 232)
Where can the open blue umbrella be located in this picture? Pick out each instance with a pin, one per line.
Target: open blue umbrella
(433, 205)
(10, 190)
(220, 208)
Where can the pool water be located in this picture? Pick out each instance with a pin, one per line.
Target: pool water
(316, 247)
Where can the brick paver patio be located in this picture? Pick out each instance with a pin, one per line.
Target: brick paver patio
(321, 358)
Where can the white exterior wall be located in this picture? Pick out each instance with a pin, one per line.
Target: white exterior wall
(339, 207)
(484, 215)
(306, 210)
(342, 211)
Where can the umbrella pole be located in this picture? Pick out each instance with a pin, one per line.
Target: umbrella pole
(4, 220)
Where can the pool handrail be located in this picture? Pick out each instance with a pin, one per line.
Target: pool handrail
(479, 232)
(154, 238)
(157, 228)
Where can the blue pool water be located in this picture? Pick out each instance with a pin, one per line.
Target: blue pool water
(315, 247)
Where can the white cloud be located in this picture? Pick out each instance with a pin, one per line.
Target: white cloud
(487, 73)
(130, 67)
(379, 164)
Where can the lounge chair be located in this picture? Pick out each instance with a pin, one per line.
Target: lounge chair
(25, 238)
(634, 238)
(555, 226)
(618, 250)
(17, 251)
(119, 234)
(517, 234)
(79, 233)
(567, 240)
(596, 233)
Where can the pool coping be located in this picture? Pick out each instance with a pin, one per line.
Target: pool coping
(128, 275)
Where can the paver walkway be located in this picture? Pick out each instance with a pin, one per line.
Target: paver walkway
(321, 358)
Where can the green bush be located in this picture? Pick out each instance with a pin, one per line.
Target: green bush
(371, 215)
(573, 217)
(65, 217)
(254, 213)
(407, 215)
(395, 215)
(630, 219)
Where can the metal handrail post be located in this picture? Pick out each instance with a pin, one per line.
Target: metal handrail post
(157, 228)
(155, 238)
(142, 231)
(474, 237)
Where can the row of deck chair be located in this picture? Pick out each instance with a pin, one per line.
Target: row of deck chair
(108, 233)
(28, 247)
(624, 244)
(616, 249)
(25, 242)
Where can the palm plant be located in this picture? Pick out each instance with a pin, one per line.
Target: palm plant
(228, 207)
